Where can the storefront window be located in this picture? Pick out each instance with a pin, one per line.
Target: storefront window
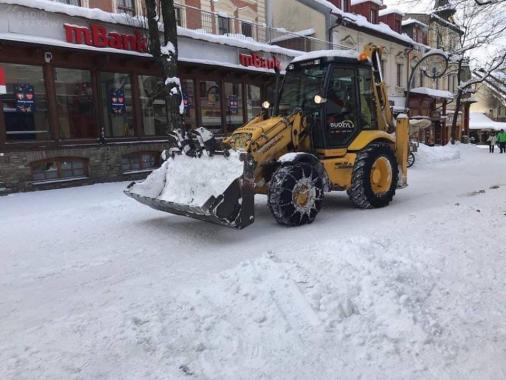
(25, 104)
(210, 104)
(59, 169)
(190, 119)
(140, 161)
(74, 101)
(116, 100)
(154, 109)
(254, 101)
(233, 109)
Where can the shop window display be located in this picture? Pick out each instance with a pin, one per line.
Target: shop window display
(154, 109)
(75, 105)
(59, 169)
(25, 104)
(189, 103)
(254, 101)
(234, 109)
(140, 161)
(210, 103)
(116, 100)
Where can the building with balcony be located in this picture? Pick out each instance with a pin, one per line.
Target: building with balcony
(438, 30)
(81, 103)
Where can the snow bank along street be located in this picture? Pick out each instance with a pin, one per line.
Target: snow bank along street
(95, 286)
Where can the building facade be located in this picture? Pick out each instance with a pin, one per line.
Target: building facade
(435, 98)
(82, 103)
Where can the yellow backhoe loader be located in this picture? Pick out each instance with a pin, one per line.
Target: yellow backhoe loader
(331, 129)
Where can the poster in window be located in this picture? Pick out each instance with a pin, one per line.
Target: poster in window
(25, 98)
(187, 100)
(233, 104)
(118, 104)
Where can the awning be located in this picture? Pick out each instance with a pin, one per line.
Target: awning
(478, 120)
(433, 93)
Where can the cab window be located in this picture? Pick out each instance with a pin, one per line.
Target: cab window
(340, 108)
(367, 114)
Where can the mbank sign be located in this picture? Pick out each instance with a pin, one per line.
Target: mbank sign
(258, 61)
(98, 36)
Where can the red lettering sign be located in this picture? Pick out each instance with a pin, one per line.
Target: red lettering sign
(3, 88)
(97, 36)
(258, 61)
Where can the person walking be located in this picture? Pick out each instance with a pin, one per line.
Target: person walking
(501, 138)
(492, 140)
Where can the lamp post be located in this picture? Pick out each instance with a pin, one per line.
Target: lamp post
(438, 69)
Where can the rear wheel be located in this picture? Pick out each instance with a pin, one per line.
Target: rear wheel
(295, 194)
(375, 177)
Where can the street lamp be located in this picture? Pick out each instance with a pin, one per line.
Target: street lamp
(436, 60)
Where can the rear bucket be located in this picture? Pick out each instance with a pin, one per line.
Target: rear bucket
(233, 208)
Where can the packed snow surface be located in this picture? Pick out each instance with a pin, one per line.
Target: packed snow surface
(191, 181)
(95, 286)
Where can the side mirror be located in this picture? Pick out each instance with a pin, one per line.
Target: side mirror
(318, 99)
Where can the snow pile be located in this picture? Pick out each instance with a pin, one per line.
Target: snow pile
(191, 181)
(284, 314)
(430, 154)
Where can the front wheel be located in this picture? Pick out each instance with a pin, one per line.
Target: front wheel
(374, 178)
(411, 159)
(295, 194)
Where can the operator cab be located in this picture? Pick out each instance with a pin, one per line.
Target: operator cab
(335, 94)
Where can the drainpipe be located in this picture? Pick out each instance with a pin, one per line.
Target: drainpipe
(407, 51)
(268, 19)
(339, 22)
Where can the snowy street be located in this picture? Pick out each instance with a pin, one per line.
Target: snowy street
(97, 286)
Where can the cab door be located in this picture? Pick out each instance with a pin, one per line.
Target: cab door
(340, 113)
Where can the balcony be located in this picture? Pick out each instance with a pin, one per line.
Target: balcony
(218, 24)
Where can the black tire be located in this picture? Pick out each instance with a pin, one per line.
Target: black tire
(411, 159)
(361, 192)
(287, 182)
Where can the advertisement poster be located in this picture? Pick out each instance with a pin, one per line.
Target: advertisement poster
(118, 105)
(25, 98)
(187, 100)
(233, 104)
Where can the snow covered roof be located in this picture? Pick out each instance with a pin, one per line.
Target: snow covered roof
(410, 21)
(356, 2)
(478, 120)
(447, 23)
(432, 92)
(73, 10)
(362, 22)
(326, 53)
(387, 11)
(381, 28)
(327, 4)
(137, 21)
(496, 82)
(236, 41)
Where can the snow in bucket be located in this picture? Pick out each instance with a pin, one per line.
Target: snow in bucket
(191, 181)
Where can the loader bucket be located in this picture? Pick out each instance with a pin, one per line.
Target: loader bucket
(232, 208)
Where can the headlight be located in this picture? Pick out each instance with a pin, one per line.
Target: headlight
(266, 105)
(318, 99)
